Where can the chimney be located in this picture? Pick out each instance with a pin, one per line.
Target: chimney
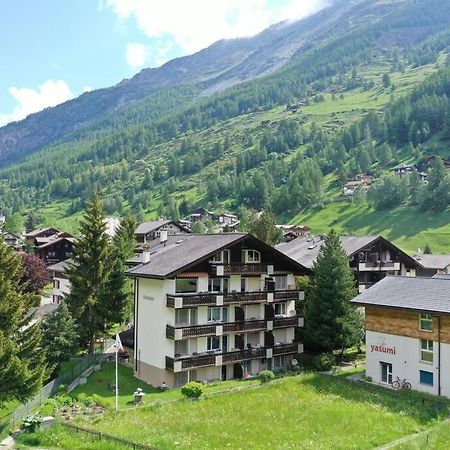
(146, 254)
(163, 237)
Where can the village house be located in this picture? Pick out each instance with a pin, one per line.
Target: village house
(39, 233)
(213, 307)
(228, 220)
(291, 232)
(431, 265)
(14, 241)
(202, 214)
(61, 284)
(361, 181)
(404, 169)
(54, 249)
(149, 231)
(408, 332)
(371, 258)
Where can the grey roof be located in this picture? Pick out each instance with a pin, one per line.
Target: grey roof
(182, 251)
(433, 261)
(306, 249)
(61, 266)
(413, 293)
(148, 227)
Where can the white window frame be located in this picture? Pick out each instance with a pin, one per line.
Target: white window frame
(426, 348)
(252, 256)
(218, 314)
(280, 280)
(282, 306)
(389, 373)
(224, 284)
(222, 257)
(426, 318)
(211, 341)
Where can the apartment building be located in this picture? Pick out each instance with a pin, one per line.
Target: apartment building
(408, 332)
(214, 307)
(371, 258)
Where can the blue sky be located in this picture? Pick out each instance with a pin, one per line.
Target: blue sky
(54, 50)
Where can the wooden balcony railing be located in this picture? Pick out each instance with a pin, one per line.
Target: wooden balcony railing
(210, 299)
(238, 268)
(193, 331)
(209, 359)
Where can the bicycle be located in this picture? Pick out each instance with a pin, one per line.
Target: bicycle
(401, 384)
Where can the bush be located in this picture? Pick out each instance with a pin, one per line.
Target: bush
(31, 423)
(323, 362)
(192, 390)
(266, 376)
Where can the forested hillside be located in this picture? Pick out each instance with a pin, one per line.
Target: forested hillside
(362, 97)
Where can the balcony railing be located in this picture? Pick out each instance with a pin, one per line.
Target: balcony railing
(238, 268)
(379, 265)
(217, 298)
(193, 331)
(219, 358)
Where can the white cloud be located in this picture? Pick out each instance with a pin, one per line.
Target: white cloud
(50, 93)
(136, 55)
(195, 24)
(87, 89)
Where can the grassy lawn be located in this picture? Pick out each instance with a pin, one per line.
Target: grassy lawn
(100, 383)
(437, 438)
(308, 412)
(407, 227)
(5, 410)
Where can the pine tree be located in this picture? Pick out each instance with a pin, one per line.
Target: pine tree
(31, 222)
(89, 274)
(264, 228)
(427, 250)
(60, 338)
(331, 322)
(119, 289)
(22, 359)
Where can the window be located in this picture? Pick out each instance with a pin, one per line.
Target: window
(217, 314)
(280, 309)
(181, 348)
(243, 284)
(280, 283)
(56, 284)
(426, 377)
(186, 285)
(221, 257)
(278, 362)
(218, 284)
(425, 322)
(426, 350)
(213, 343)
(386, 372)
(252, 256)
(181, 316)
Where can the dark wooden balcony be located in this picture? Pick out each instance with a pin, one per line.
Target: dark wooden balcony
(193, 331)
(242, 268)
(210, 299)
(209, 359)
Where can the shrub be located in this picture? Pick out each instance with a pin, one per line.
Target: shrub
(85, 399)
(266, 376)
(31, 423)
(323, 362)
(100, 401)
(192, 390)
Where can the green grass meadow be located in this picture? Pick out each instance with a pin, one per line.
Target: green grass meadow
(306, 411)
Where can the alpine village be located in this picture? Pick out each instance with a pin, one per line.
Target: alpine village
(245, 246)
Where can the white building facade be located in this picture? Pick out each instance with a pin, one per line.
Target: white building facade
(228, 313)
(408, 333)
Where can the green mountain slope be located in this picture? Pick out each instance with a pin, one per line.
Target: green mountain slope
(244, 147)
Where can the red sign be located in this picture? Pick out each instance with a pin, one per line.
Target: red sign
(382, 349)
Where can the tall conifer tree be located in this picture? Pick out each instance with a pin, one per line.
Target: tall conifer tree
(331, 322)
(22, 359)
(119, 290)
(89, 274)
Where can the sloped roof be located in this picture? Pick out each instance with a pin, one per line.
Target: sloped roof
(429, 295)
(54, 241)
(148, 227)
(61, 266)
(39, 231)
(306, 249)
(183, 251)
(433, 261)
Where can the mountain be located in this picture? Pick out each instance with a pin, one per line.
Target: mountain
(223, 64)
(282, 118)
